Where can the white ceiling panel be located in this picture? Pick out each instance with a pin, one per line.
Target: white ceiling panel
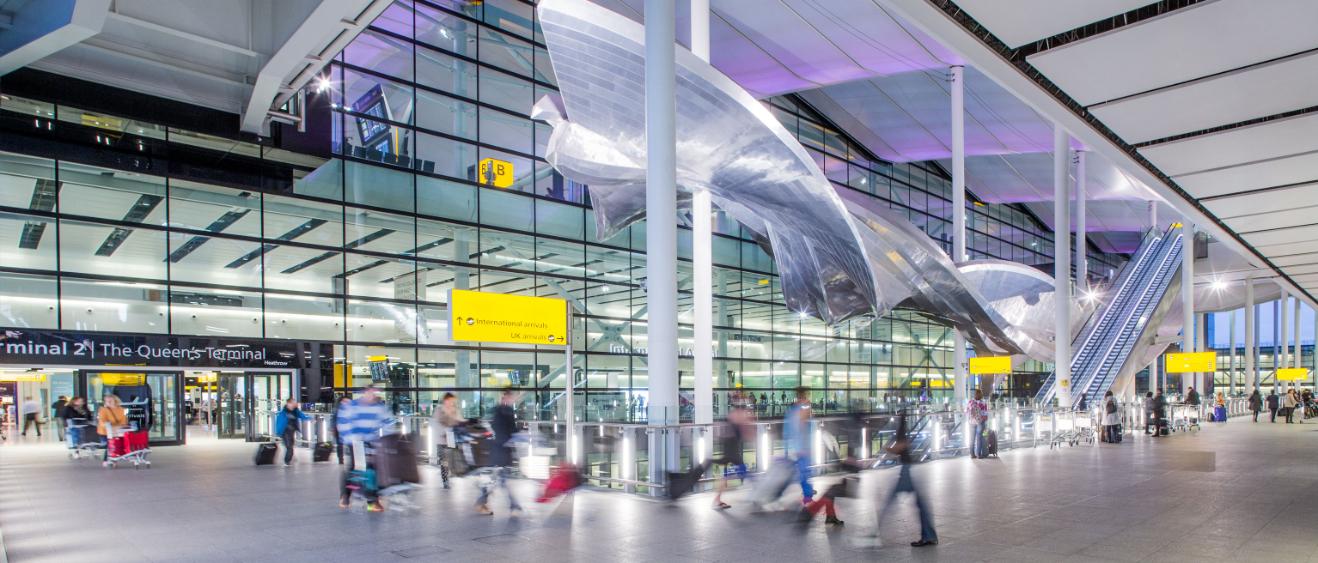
(1017, 22)
(1280, 172)
(1258, 91)
(1273, 220)
(1295, 259)
(1283, 236)
(1244, 145)
(1182, 45)
(1310, 268)
(1279, 200)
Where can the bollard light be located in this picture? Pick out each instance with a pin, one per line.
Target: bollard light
(864, 443)
(700, 449)
(762, 456)
(626, 455)
(818, 449)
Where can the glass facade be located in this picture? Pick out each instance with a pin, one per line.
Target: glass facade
(163, 230)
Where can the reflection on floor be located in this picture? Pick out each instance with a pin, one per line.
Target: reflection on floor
(1233, 492)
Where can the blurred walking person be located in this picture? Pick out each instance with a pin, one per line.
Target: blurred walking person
(1255, 404)
(796, 438)
(363, 421)
(733, 441)
(976, 416)
(446, 421)
(1288, 403)
(1111, 419)
(345, 403)
(31, 411)
(288, 424)
(504, 425)
(1149, 420)
(1274, 402)
(57, 416)
(901, 447)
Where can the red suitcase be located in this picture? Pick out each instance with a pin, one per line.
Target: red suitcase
(118, 446)
(136, 440)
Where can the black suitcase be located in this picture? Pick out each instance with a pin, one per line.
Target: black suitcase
(265, 453)
(991, 443)
(322, 452)
(679, 484)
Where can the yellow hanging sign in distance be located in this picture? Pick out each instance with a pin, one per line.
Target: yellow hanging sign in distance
(990, 365)
(1293, 374)
(1193, 362)
(517, 319)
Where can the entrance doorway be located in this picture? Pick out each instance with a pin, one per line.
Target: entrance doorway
(248, 402)
(153, 399)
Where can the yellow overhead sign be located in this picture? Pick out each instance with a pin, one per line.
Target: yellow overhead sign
(123, 379)
(1293, 374)
(516, 319)
(23, 377)
(498, 173)
(990, 365)
(1196, 362)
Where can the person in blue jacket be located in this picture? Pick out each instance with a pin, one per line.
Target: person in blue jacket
(288, 425)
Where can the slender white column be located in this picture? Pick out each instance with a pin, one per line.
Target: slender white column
(661, 227)
(1251, 338)
(1201, 327)
(1283, 357)
(1062, 264)
(702, 227)
(1153, 215)
(1295, 337)
(1231, 365)
(960, 373)
(1187, 296)
(1081, 258)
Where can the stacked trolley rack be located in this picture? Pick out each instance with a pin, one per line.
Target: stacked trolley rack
(128, 446)
(82, 439)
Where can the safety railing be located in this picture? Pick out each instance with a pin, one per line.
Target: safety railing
(618, 455)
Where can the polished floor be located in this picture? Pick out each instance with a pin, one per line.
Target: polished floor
(1232, 492)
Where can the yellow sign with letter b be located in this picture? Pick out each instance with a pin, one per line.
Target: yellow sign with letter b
(498, 173)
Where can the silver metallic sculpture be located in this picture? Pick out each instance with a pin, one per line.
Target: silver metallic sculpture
(839, 254)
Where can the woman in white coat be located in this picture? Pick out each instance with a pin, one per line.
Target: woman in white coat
(1111, 419)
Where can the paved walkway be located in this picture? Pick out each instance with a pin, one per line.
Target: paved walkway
(1233, 492)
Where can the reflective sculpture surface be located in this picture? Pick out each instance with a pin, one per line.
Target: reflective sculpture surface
(839, 254)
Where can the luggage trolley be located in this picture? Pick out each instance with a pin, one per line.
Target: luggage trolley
(127, 446)
(82, 439)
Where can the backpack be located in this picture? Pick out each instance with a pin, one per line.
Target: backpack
(1111, 407)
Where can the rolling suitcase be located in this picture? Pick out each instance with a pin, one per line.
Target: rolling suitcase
(322, 452)
(679, 484)
(265, 453)
(991, 443)
(774, 482)
(1219, 414)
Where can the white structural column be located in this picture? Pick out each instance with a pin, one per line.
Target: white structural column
(1251, 340)
(661, 229)
(1298, 352)
(1187, 296)
(1062, 264)
(1283, 357)
(702, 258)
(1231, 365)
(961, 382)
(1081, 260)
(1153, 215)
(1200, 345)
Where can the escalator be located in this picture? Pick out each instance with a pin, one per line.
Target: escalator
(1105, 344)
